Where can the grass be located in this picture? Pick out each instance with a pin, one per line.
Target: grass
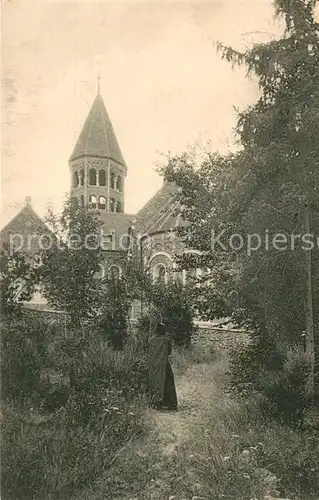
(70, 405)
(76, 426)
(181, 358)
(237, 454)
(228, 452)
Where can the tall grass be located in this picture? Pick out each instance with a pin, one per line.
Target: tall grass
(230, 451)
(234, 452)
(75, 404)
(76, 426)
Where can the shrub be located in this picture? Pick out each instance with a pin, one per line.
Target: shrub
(24, 355)
(278, 373)
(176, 311)
(114, 312)
(87, 401)
(52, 458)
(247, 360)
(285, 390)
(233, 452)
(142, 331)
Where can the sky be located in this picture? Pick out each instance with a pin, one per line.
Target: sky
(164, 86)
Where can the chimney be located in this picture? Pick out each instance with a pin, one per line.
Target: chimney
(28, 201)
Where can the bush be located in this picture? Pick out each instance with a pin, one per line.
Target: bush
(87, 401)
(24, 355)
(52, 458)
(247, 361)
(176, 311)
(233, 452)
(278, 373)
(285, 390)
(113, 318)
(142, 331)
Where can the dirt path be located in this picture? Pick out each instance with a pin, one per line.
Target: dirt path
(167, 431)
(194, 388)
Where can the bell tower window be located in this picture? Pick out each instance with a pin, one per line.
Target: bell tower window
(92, 177)
(118, 207)
(102, 203)
(112, 177)
(119, 183)
(82, 177)
(93, 201)
(75, 182)
(102, 178)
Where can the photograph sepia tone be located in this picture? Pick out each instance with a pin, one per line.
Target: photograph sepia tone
(159, 250)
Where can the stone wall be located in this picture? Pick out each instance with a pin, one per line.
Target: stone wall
(221, 338)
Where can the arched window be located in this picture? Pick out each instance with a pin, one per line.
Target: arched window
(112, 205)
(112, 180)
(92, 177)
(102, 202)
(102, 178)
(118, 207)
(119, 183)
(159, 273)
(82, 177)
(92, 201)
(115, 272)
(82, 200)
(75, 182)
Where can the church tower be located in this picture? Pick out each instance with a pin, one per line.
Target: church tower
(97, 167)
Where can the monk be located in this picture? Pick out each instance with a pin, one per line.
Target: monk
(160, 375)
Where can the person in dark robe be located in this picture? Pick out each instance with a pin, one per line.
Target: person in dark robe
(160, 374)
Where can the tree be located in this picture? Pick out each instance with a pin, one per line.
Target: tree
(114, 311)
(266, 195)
(17, 281)
(71, 262)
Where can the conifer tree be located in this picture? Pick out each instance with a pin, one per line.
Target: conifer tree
(268, 189)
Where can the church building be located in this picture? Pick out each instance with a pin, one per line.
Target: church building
(98, 173)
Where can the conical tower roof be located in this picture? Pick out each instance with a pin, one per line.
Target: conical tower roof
(97, 137)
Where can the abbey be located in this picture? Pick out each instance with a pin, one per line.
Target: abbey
(98, 173)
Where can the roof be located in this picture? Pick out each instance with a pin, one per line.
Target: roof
(23, 229)
(118, 225)
(161, 212)
(97, 137)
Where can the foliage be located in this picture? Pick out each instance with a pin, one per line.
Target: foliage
(175, 309)
(224, 449)
(23, 357)
(113, 315)
(143, 330)
(171, 301)
(277, 373)
(70, 403)
(71, 262)
(17, 281)
(285, 390)
(240, 455)
(248, 212)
